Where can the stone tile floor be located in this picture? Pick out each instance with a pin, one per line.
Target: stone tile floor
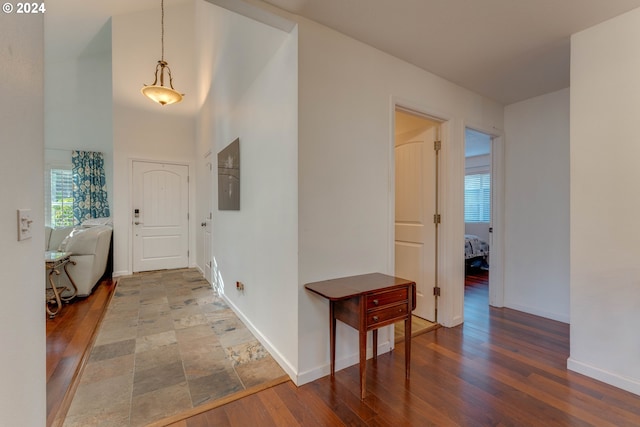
(167, 344)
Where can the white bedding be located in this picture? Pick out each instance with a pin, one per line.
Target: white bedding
(475, 247)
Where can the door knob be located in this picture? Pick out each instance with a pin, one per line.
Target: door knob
(204, 224)
(137, 223)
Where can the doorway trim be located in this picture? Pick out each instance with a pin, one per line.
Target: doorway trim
(450, 268)
(191, 204)
(451, 238)
(496, 267)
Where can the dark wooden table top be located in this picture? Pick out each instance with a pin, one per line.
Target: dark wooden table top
(349, 287)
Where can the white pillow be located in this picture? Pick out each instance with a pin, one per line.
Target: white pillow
(66, 240)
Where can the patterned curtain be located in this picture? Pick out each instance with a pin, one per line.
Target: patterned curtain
(89, 186)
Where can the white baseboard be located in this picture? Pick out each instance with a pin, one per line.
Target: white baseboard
(120, 274)
(311, 375)
(128, 273)
(631, 385)
(282, 361)
(341, 363)
(564, 318)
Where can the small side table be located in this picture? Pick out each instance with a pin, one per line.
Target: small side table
(366, 303)
(53, 295)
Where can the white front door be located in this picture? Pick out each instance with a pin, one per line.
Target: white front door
(160, 216)
(415, 231)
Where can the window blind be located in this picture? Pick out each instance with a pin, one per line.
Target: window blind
(61, 200)
(477, 197)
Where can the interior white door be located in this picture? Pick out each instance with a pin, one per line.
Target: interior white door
(160, 216)
(415, 231)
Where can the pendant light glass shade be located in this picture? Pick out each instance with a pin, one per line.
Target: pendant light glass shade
(160, 93)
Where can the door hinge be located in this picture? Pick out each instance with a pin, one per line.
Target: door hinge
(436, 291)
(187, 254)
(436, 218)
(187, 216)
(187, 179)
(437, 145)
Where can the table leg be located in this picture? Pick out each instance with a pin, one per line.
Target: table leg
(375, 344)
(407, 346)
(332, 337)
(411, 291)
(56, 296)
(75, 288)
(363, 361)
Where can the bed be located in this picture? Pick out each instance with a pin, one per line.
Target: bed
(476, 252)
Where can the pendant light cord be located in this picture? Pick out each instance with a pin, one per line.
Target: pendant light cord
(162, 28)
(159, 93)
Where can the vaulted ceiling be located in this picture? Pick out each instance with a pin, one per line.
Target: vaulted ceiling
(506, 50)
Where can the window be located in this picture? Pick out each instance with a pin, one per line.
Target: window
(477, 197)
(60, 203)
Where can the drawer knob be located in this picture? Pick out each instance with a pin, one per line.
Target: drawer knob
(375, 318)
(376, 302)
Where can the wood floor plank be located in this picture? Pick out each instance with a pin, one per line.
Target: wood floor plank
(277, 409)
(344, 393)
(216, 418)
(324, 413)
(295, 403)
(396, 399)
(210, 418)
(249, 413)
(584, 401)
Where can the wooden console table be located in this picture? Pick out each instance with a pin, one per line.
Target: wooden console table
(366, 303)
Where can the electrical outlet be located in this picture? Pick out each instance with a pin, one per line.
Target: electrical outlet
(24, 224)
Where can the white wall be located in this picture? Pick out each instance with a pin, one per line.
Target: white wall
(537, 206)
(347, 90)
(605, 272)
(480, 229)
(22, 315)
(78, 103)
(248, 87)
(142, 129)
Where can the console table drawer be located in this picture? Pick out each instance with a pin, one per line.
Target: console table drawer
(384, 298)
(380, 317)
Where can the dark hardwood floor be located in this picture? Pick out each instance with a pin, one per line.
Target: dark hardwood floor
(69, 337)
(500, 368)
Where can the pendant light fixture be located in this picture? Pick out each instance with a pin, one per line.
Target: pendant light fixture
(162, 94)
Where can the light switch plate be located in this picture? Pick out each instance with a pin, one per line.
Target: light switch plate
(24, 224)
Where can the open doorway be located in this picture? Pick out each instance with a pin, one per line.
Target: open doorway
(416, 150)
(477, 214)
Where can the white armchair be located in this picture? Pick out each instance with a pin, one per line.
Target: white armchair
(90, 252)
